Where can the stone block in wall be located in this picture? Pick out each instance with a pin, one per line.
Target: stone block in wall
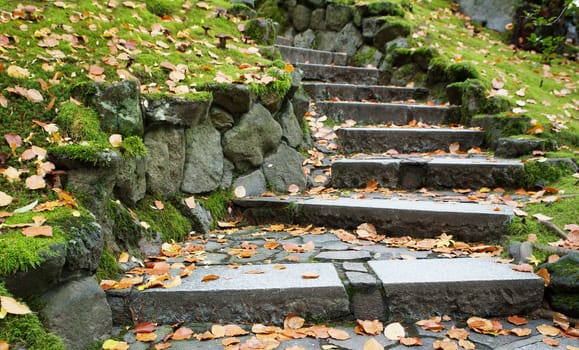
(305, 39)
(318, 19)
(301, 16)
(87, 317)
(348, 40)
(119, 108)
(316, 3)
(221, 119)
(325, 40)
(204, 159)
(165, 160)
(256, 134)
(174, 110)
(131, 184)
(371, 25)
(390, 31)
(337, 16)
(235, 98)
(253, 183)
(292, 131)
(227, 177)
(372, 56)
(284, 168)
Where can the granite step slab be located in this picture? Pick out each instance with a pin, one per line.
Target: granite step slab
(437, 172)
(249, 293)
(301, 55)
(470, 222)
(341, 74)
(416, 289)
(406, 140)
(352, 92)
(388, 113)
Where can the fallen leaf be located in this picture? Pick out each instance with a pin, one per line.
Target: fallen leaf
(445, 344)
(548, 330)
(373, 344)
(466, 344)
(270, 245)
(523, 268)
(542, 217)
(454, 148)
(145, 327)
(17, 72)
(521, 332)
(116, 140)
(12, 306)
(310, 275)
(370, 327)
(232, 330)
(293, 321)
(561, 320)
(457, 333)
(4, 345)
(208, 278)
(183, 333)
(545, 275)
(239, 192)
(5, 199)
(146, 337)
(551, 341)
(190, 202)
(432, 324)
(410, 341)
(394, 331)
(517, 320)
(35, 231)
(338, 334)
(293, 189)
(35, 182)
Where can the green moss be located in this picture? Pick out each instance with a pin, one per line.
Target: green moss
(280, 86)
(167, 221)
(163, 7)
(126, 229)
(26, 331)
(108, 267)
(437, 70)
(80, 123)
(133, 146)
(385, 8)
(423, 55)
(462, 71)
(363, 57)
(217, 203)
(261, 30)
(90, 153)
(270, 9)
(543, 172)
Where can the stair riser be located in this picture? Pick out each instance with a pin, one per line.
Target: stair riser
(393, 221)
(354, 140)
(416, 175)
(376, 113)
(339, 74)
(347, 92)
(299, 55)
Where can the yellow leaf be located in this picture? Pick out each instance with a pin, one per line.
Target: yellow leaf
(11, 306)
(373, 344)
(17, 72)
(338, 334)
(548, 330)
(124, 257)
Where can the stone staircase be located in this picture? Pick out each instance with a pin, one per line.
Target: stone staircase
(347, 282)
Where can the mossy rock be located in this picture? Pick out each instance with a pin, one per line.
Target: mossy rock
(563, 291)
(261, 30)
(541, 173)
(242, 11)
(163, 7)
(437, 71)
(462, 71)
(384, 8)
(497, 126)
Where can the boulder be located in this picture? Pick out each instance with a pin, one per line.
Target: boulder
(325, 40)
(261, 30)
(305, 39)
(390, 31)
(301, 104)
(563, 291)
(119, 108)
(368, 56)
(297, 76)
(493, 14)
(284, 168)
(221, 119)
(301, 16)
(348, 39)
(131, 183)
(513, 147)
(227, 177)
(271, 100)
(337, 16)
(204, 159)
(318, 19)
(201, 219)
(254, 183)
(234, 98)
(165, 160)
(256, 134)
(78, 312)
(292, 132)
(174, 110)
(83, 251)
(370, 26)
(316, 3)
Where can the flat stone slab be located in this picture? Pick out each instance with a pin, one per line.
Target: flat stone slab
(387, 113)
(438, 172)
(249, 293)
(470, 222)
(456, 287)
(352, 92)
(340, 74)
(406, 140)
(302, 55)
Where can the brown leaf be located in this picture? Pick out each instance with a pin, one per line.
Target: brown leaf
(445, 344)
(4, 345)
(517, 320)
(293, 321)
(270, 245)
(373, 344)
(523, 268)
(13, 307)
(232, 330)
(209, 278)
(545, 275)
(190, 202)
(145, 327)
(183, 333)
(146, 337)
(338, 334)
(310, 275)
(373, 327)
(457, 333)
(116, 140)
(521, 332)
(548, 330)
(551, 341)
(432, 324)
(45, 231)
(454, 148)
(561, 320)
(410, 341)
(467, 345)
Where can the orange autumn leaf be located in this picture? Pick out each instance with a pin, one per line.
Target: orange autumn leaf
(310, 275)
(517, 320)
(545, 275)
(457, 333)
(338, 334)
(551, 341)
(521, 332)
(293, 321)
(232, 330)
(4, 345)
(208, 278)
(548, 330)
(145, 327)
(410, 341)
(445, 344)
(45, 231)
(146, 337)
(183, 333)
(370, 327)
(270, 245)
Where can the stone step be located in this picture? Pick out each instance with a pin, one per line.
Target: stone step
(406, 140)
(389, 113)
(437, 172)
(249, 293)
(470, 222)
(417, 289)
(295, 55)
(351, 92)
(341, 74)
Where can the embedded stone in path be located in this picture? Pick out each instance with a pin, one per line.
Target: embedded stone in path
(249, 293)
(457, 287)
(406, 140)
(387, 113)
(302, 55)
(465, 221)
